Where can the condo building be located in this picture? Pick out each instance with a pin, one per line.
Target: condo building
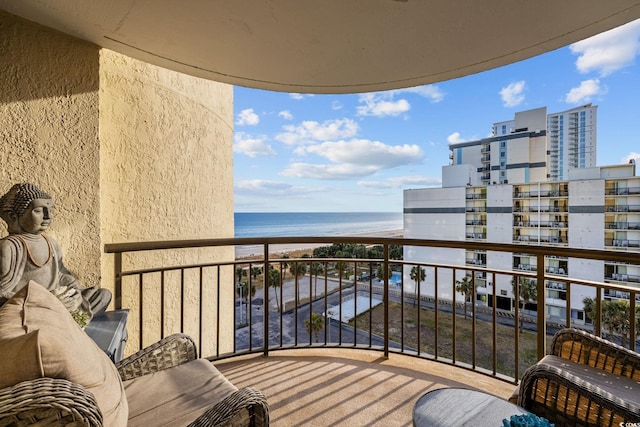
(516, 199)
(533, 147)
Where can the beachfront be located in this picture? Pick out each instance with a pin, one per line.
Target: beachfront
(245, 252)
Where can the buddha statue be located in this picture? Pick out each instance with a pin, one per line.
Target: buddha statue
(28, 254)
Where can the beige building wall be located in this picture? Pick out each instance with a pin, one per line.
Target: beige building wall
(166, 174)
(130, 152)
(49, 132)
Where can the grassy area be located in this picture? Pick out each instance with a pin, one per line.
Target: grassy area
(505, 337)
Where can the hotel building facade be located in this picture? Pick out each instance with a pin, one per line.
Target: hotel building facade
(505, 189)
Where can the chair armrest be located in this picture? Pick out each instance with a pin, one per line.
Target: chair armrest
(568, 393)
(244, 407)
(171, 351)
(588, 349)
(49, 402)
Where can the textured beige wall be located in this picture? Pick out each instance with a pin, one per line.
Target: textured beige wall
(166, 174)
(49, 132)
(130, 152)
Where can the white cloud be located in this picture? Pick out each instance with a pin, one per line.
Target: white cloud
(610, 51)
(455, 138)
(255, 185)
(310, 132)
(328, 172)
(269, 189)
(353, 159)
(380, 104)
(336, 105)
(247, 118)
(296, 96)
(512, 95)
(286, 114)
(431, 92)
(252, 146)
(364, 153)
(585, 92)
(402, 181)
(633, 155)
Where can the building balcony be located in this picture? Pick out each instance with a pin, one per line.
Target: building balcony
(476, 236)
(623, 277)
(622, 243)
(366, 343)
(622, 191)
(623, 208)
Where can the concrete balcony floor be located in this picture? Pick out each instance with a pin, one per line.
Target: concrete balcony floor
(348, 387)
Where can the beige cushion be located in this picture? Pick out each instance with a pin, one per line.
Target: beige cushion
(39, 338)
(176, 396)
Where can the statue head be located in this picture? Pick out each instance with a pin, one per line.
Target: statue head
(26, 209)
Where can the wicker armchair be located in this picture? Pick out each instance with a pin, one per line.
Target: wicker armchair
(58, 402)
(586, 381)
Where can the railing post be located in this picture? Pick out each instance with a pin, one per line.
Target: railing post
(265, 287)
(386, 299)
(541, 308)
(632, 320)
(117, 286)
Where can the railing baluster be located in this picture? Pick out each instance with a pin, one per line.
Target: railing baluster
(545, 277)
(453, 315)
(200, 310)
(435, 312)
(265, 297)
(541, 308)
(386, 298)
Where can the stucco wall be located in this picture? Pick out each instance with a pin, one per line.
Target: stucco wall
(129, 152)
(49, 132)
(166, 174)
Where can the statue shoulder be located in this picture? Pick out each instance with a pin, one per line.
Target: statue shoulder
(10, 249)
(9, 244)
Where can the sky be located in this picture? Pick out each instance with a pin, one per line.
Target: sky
(357, 153)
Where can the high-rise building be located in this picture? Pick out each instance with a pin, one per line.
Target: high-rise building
(533, 147)
(592, 207)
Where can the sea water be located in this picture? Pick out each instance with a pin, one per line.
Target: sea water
(287, 224)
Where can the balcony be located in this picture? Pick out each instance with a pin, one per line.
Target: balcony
(367, 343)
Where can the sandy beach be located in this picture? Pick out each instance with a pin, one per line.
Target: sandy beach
(256, 250)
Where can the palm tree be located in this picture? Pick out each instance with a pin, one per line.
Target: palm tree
(417, 275)
(465, 286)
(255, 272)
(273, 281)
(240, 273)
(283, 266)
(315, 270)
(298, 269)
(315, 325)
(380, 272)
(615, 317)
(528, 292)
(243, 290)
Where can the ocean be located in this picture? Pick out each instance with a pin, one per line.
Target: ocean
(287, 224)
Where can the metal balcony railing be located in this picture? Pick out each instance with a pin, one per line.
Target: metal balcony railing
(304, 302)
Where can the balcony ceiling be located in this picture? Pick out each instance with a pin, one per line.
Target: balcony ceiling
(329, 46)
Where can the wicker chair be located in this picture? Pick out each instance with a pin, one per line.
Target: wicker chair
(586, 381)
(58, 402)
